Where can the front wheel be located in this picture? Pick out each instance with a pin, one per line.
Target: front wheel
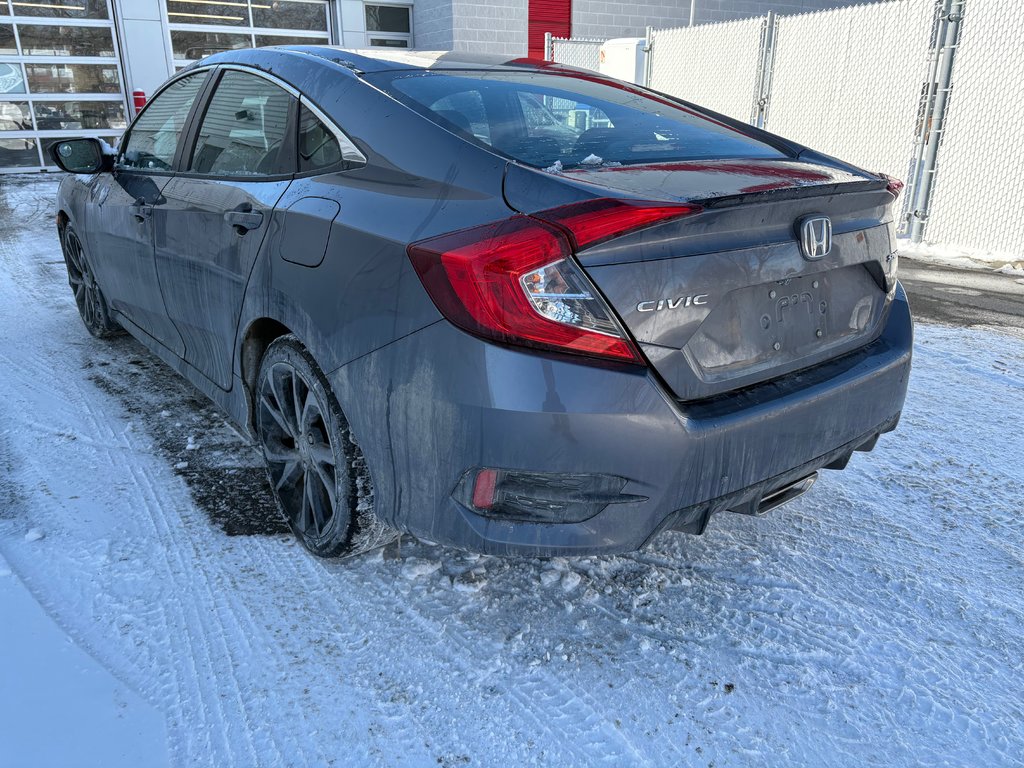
(92, 305)
(316, 469)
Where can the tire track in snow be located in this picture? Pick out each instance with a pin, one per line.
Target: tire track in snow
(876, 620)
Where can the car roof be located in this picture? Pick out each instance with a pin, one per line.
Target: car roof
(381, 60)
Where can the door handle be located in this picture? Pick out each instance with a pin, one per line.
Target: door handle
(141, 211)
(244, 219)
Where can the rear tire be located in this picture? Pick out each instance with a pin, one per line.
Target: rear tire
(315, 467)
(92, 305)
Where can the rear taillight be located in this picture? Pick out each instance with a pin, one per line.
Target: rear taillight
(515, 281)
(594, 221)
(894, 185)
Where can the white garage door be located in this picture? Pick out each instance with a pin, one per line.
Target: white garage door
(199, 29)
(60, 75)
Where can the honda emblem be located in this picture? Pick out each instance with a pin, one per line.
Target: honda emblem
(815, 234)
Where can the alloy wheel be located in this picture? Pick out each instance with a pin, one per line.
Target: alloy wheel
(83, 282)
(297, 445)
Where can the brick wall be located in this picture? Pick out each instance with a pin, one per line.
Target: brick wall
(479, 26)
(432, 25)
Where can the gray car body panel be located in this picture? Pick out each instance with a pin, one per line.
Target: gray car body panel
(476, 405)
(427, 401)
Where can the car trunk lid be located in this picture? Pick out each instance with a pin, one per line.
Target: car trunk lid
(725, 298)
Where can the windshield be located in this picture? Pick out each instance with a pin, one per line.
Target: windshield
(558, 121)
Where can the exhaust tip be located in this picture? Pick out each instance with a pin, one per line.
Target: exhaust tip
(778, 497)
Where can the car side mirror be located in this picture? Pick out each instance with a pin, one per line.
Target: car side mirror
(80, 156)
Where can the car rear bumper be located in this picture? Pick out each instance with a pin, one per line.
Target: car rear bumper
(438, 403)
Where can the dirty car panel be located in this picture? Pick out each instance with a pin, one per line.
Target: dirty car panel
(516, 308)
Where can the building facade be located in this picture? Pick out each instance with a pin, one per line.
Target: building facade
(69, 67)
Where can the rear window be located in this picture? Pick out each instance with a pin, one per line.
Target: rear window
(559, 121)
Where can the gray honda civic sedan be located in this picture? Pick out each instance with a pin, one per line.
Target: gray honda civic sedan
(506, 305)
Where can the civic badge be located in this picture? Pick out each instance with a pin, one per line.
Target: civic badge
(815, 233)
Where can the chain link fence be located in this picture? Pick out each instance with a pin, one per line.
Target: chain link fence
(583, 52)
(979, 177)
(928, 91)
(714, 65)
(848, 82)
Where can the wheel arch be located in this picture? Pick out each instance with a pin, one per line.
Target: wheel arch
(259, 334)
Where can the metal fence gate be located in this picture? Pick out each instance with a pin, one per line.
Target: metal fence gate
(857, 96)
(581, 52)
(715, 65)
(929, 91)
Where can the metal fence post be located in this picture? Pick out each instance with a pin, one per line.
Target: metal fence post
(947, 37)
(766, 62)
(549, 47)
(648, 56)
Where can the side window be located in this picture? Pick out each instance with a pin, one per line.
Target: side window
(318, 146)
(244, 128)
(154, 137)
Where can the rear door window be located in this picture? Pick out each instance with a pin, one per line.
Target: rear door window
(323, 146)
(244, 130)
(573, 120)
(318, 146)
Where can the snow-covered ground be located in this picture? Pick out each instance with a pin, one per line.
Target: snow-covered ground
(878, 620)
(963, 258)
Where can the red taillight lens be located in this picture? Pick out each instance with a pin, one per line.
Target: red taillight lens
(894, 185)
(515, 280)
(594, 221)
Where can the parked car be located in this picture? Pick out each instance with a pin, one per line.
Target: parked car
(468, 327)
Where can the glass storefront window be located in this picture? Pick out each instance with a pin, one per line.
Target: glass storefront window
(289, 40)
(62, 9)
(73, 78)
(14, 116)
(197, 45)
(11, 78)
(387, 18)
(290, 14)
(65, 41)
(18, 153)
(307, 15)
(55, 90)
(79, 115)
(7, 46)
(222, 14)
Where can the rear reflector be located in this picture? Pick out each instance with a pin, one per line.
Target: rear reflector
(540, 497)
(483, 488)
(515, 281)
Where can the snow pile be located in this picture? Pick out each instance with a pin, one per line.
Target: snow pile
(965, 258)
